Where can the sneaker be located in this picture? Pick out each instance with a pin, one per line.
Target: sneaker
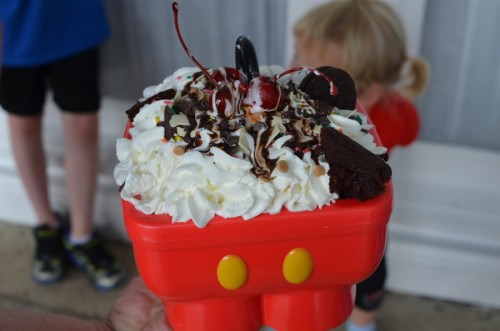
(48, 261)
(102, 269)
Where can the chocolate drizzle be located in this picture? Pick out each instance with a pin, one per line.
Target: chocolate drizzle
(163, 95)
(301, 118)
(169, 130)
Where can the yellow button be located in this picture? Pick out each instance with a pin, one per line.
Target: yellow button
(232, 272)
(298, 266)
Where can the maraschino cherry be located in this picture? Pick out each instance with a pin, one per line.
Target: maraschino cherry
(264, 94)
(228, 74)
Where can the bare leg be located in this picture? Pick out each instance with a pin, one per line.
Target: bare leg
(363, 317)
(27, 146)
(81, 164)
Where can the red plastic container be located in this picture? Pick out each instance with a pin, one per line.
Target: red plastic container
(291, 272)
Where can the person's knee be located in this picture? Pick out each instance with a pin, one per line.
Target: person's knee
(81, 126)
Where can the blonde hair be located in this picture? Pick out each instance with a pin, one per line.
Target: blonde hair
(371, 39)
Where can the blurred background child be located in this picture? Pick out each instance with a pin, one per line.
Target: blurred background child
(367, 39)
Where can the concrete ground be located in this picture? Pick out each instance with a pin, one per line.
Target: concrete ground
(74, 296)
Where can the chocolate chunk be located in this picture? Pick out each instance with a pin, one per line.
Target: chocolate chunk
(184, 106)
(319, 89)
(259, 126)
(322, 108)
(229, 138)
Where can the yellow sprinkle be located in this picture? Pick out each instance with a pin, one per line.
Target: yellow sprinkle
(178, 138)
(157, 119)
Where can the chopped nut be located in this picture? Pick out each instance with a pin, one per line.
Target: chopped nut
(282, 166)
(319, 171)
(179, 150)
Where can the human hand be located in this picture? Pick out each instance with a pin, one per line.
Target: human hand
(137, 309)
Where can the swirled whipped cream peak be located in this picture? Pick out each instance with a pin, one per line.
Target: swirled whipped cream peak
(231, 146)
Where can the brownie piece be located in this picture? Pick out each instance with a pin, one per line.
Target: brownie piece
(354, 171)
(319, 89)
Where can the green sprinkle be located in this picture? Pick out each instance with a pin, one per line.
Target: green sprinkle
(172, 110)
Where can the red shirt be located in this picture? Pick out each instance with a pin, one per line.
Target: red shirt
(396, 120)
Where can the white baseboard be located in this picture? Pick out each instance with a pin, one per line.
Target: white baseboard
(449, 273)
(444, 235)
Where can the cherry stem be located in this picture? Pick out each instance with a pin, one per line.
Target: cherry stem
(175, 8)
(333, 89)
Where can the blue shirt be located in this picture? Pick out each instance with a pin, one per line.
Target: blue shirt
(37, 32)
